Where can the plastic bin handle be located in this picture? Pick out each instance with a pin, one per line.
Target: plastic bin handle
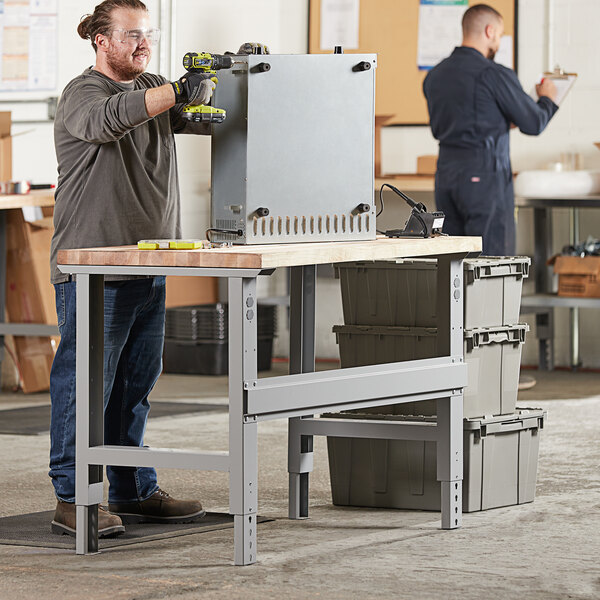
(519, 269)
(500, 336)
(504, 427)
(514, 335)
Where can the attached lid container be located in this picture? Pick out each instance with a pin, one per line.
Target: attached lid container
(404, 292)
(500, 464)
(493, 287)
(492, 355)
(393, 293)
(371, 345)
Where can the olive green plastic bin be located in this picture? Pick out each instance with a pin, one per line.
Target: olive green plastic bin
(500, 456)
(492, 355)
(403, 292)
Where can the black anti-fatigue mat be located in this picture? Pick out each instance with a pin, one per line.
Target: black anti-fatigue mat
(35, 420)
(33, 529)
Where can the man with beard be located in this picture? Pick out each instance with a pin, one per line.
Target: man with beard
(117, 183)
(473, 102)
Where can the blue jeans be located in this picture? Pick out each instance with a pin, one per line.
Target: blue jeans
(134, 324)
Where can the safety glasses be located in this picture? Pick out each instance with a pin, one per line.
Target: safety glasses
(135, 36)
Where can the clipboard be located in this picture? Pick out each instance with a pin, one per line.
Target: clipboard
(563, 82)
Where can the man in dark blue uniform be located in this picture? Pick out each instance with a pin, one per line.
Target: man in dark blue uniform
(473, 102)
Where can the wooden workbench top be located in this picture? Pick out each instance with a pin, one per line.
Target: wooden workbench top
(272, 255)
(33, 198)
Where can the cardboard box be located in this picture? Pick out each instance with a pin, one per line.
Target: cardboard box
(5, 147)
(9, 375)
(30, 295)
(427, 164)
(188, 291)
(577, 276)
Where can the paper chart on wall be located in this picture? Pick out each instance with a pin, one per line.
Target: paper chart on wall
(28, 42)
(339, 24)
(439, 30)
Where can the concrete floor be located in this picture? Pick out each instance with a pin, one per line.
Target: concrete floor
(547, 549)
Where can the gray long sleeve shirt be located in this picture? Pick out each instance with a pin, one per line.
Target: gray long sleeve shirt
(117, 167)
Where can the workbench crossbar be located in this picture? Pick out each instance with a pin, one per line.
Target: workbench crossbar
(28, 329)
(124, 456)
(315, 392)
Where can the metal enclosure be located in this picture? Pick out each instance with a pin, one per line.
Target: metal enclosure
(298, 140)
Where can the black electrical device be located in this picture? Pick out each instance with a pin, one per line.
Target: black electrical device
(420, 223)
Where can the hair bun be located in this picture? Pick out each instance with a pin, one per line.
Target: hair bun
(83, 29)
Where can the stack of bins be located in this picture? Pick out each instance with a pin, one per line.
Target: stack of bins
(196, 339)
(390, 315)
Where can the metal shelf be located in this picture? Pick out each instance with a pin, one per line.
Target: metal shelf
(553, 300)
(566, 202)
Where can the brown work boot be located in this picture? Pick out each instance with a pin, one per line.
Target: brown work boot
(65, 521)
(159, 508)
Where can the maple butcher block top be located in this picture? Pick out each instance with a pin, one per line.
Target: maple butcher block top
(272, 255)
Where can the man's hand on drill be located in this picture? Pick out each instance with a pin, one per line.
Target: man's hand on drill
(194, 88)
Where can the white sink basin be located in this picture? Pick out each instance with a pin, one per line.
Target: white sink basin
(555, 184)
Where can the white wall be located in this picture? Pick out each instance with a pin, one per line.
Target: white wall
(282, 24)
(203, 25)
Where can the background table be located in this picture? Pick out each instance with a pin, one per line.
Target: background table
(8, 202)
(543, 301)
(297, 396)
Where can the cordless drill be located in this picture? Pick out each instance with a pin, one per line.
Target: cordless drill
(204, 62)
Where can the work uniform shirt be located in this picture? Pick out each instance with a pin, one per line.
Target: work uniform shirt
(117, 167)
(472, 102)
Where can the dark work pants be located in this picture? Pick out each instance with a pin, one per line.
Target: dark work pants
(478, 202)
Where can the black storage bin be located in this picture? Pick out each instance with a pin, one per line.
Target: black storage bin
(196, 339)
(209, 321)
(208, 357)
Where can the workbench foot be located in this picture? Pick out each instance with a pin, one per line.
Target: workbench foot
(86, 533)
(300, 464)
(298, 496)
(449, 458)
(544, 327)
(451, 504)
(244, 534)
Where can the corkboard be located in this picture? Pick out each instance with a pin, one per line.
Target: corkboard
(389, 28)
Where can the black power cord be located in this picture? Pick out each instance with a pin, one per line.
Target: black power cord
(211, 230)
(417, 212)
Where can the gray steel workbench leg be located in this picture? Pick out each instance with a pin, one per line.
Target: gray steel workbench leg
(302, 360)
(243, 441)
(544, 320)
(3, 269)
(450, 410)
(90, 408)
